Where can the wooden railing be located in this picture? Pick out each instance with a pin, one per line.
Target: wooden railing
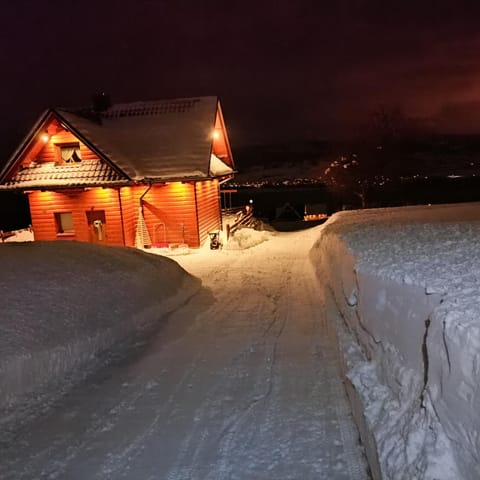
(244, 219)
(5, 235)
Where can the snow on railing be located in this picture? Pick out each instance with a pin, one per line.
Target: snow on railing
(244, 218)
(22, 235)
(5, 235)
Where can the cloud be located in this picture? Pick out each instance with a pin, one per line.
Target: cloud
(459, 117)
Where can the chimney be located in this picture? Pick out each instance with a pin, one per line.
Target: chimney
(100, 102)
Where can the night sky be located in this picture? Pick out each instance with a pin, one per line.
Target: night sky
(285, 70)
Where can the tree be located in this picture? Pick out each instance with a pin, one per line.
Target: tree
(390, 127)
(344, 177)
(358, 171)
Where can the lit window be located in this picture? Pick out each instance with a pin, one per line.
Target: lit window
(64, 222)
(70, 153)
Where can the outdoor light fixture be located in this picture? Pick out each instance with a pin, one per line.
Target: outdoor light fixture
(45, 137)
(216, 134)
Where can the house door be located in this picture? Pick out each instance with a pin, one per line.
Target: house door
(96, 225)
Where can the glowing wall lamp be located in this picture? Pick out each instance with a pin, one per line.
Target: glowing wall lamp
(216, 134)
(45, 137)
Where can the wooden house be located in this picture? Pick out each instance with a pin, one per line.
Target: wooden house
(134, 174)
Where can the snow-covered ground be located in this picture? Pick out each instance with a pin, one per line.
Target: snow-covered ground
(64, 303)
(406, 281)
(242, 381)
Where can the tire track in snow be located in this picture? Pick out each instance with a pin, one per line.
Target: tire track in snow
(195, 442)
(245, 415)
(119, 460)
(234, 427)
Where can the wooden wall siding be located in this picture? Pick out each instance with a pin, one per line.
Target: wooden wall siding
(209, 214)
(130, 212)
(49, 153)
(44, 205)
(35, 146)
(220, 145)
(173, 205)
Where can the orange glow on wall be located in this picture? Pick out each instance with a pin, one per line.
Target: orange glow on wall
(102, 192)
(179, 187)
(46, 195)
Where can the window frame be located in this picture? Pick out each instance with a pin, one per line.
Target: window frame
(59, 224)
(60, 146)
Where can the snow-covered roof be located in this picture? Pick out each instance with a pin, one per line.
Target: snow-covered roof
(163, 140)
(84, 173)
(151, 140)
(218, 167)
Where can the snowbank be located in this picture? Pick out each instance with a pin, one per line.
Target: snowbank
(406, 281)
(247, 238)
(65, 302)
(23, 235)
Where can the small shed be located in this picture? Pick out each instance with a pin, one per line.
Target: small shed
(133, 174)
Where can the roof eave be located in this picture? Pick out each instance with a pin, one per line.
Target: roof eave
(24, 144)
(60, 186)
(182, 179)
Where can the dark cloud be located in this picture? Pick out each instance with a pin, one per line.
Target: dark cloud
(459, 117)
(284, 69)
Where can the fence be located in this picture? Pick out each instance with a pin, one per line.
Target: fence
(5, 235)
(244, 218)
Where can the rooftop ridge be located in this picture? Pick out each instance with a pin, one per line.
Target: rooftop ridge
(158, 107)
(137, 108)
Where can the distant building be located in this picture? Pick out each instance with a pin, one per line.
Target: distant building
(287, 212)
(315, 211)
(129, 174)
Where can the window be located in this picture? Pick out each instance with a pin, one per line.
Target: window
(70, 153)
(64, 223)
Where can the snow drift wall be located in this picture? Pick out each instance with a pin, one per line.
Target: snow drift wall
(411, 362)
(63, 303)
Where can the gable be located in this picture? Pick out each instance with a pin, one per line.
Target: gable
(221, 145)
(54, 157)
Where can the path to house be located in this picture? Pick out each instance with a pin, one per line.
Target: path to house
(241, 383)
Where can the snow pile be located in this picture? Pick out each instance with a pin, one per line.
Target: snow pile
(65, 302)
(24, 235)
(170, 251)
(247, 238)
(406, 281)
